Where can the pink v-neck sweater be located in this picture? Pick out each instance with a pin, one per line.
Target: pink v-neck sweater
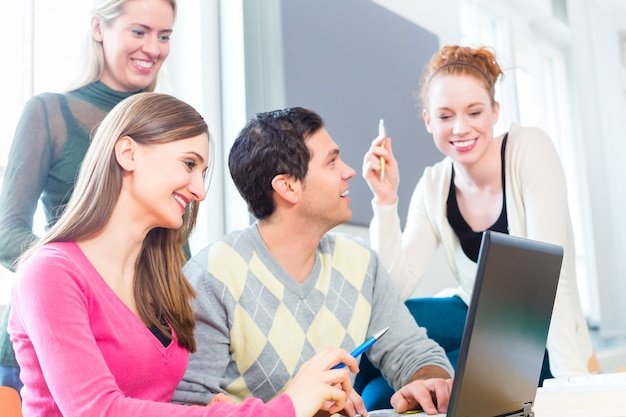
(82, 352)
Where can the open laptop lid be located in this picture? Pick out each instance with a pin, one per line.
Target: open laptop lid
(505, 335)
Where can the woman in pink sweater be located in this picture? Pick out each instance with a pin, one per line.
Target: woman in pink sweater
(102, 323)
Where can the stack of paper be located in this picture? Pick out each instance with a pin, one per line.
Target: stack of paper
(601, 395)
(596, 382)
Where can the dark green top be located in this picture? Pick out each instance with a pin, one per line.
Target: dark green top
(50, 142)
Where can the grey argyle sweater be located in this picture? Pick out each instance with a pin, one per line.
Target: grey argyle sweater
(256, 325)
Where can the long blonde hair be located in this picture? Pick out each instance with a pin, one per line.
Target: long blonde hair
(160, 288)
(107, 11)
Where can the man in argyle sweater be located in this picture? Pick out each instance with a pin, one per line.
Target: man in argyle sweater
(271, 295)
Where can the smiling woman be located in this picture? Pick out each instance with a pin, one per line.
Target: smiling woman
(111, 251)
(109, 274)
(54, 130)
(511, 183)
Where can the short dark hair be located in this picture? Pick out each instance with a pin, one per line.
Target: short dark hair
(271, 144)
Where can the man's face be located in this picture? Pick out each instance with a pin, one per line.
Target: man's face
(325, 189)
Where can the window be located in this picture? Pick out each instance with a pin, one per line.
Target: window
(543, 101)
(44, 57)
(534, 92)
(482, 27)
(44, 48)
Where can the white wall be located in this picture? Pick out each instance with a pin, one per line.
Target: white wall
(207, 69)
(599, 97)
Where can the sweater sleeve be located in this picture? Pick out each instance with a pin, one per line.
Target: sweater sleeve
(539, 182)
(28, 164)
(405, 348)
(207, 366)
(406, 254)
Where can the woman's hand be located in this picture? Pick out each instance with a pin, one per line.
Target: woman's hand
(220, 398)
(318, 387)
(385, 188)
(354, 406)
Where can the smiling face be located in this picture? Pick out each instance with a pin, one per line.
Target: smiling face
(167, 177)
(461, 116)
(325, 189)
(135, 44)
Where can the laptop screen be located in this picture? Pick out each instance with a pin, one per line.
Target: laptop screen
(507, 326)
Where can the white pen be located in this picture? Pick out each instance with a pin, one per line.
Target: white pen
(381, 132)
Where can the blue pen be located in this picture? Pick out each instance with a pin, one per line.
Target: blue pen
(363, 347)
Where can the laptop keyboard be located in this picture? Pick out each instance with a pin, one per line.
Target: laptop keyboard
(393, 413)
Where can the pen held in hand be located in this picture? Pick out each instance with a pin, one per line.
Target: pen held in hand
(381, 132)
(363, 347)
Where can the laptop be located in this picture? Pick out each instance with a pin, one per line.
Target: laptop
(505, 335)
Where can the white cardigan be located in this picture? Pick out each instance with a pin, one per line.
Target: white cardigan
(537, 208)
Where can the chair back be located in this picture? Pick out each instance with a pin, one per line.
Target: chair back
(11, 402)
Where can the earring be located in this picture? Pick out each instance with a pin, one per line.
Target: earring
(129, 166)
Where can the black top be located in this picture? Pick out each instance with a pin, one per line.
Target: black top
(163, 338)
(470, 240)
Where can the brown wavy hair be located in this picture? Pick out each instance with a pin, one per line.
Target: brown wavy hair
(272, 143)
(479, 63)
(161, 290)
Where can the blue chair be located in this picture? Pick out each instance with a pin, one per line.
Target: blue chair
(10, 402)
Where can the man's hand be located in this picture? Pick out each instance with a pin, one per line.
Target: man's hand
(431, 395)
(429, 390)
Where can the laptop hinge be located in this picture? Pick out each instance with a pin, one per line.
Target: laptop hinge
(528, 410)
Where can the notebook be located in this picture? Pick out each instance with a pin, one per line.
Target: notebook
(505, 335)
